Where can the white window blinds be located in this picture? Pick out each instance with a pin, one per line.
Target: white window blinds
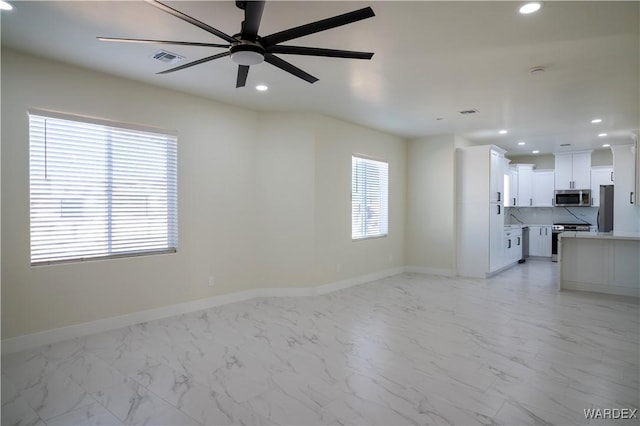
(99, 190)
(369, 198)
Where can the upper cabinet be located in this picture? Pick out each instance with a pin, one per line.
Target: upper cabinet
(480, 174)
(542, 188)
(524, 196)
(511, 187)
(573, 170)
(496, 173)
(626, 215)
(636, 145)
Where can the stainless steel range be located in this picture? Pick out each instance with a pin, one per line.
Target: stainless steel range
(562, 227)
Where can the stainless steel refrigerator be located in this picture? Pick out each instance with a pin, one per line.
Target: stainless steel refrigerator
(605, 211)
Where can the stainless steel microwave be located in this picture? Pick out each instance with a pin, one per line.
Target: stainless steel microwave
(572, 198)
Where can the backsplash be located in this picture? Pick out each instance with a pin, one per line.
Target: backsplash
(550, 215)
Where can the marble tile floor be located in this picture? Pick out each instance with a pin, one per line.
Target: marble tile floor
(409, 349)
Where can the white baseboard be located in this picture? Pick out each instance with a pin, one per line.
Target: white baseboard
(430, 271)
(600, 288)
(340, 285)
(29, 341)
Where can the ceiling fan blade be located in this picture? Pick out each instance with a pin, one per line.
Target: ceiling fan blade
(315, 51)
(198, 62)
(182, 43)
(243, 71)
(314, 27)
(252, 17)
(190, 20)
(286, 66)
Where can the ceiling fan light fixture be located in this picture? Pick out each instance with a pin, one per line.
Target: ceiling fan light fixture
(247, 54)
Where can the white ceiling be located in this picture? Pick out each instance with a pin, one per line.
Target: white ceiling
(432, 59)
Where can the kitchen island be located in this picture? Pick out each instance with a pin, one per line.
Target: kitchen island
(602, 262)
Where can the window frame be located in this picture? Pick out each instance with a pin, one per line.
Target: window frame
(385, 197)
(171, 194)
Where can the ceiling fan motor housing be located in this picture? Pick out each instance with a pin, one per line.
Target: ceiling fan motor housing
(247, 53)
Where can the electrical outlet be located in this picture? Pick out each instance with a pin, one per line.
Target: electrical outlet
(212, 281)
(390, 257)
(338, 267)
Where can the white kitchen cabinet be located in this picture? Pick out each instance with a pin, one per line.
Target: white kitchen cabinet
(480, 210)
(525, 185)
(601, 175)
(626, 214)
(496, 229)
(573, 170)
(636, 144)
(512, 246)
(511, 187)
(519, 248)
(542, 188)
(540, 241)
(582, 170)
(496, 177)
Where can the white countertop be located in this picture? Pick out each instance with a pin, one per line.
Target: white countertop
(615, 235)
(510, 227)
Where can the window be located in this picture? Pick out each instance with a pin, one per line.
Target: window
(369, 198)
(99, 189)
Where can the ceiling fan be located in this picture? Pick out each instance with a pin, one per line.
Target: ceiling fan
(248, 48)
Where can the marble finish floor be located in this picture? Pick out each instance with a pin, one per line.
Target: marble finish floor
(409, 349)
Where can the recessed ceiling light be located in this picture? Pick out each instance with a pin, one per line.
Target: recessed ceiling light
(606, 145)
(602, 135)
(535, 151)
(596, 120)
(503, 132)
(530, 7)
(261, 87)
(5, 5)
(520, 143)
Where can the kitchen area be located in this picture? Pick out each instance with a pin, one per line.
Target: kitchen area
(579, 209)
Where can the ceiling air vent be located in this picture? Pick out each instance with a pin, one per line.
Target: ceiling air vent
(468, 111)
(167, 57)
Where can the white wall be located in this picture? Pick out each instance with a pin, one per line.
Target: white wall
(285, 188)
(430, 239)
(263, 200)
(335, 143)
(543, 161)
